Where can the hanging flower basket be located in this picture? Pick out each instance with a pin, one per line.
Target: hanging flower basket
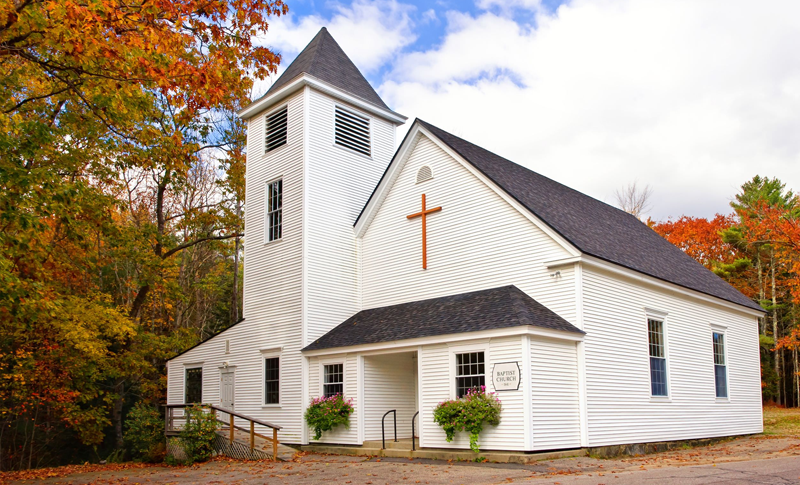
(468, 414)
(326, 413)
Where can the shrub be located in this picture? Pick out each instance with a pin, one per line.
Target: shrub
(198, 434)
(326, 413)
(468, 414)
(144, 433)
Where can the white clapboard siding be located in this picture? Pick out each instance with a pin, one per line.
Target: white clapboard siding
(390, 382)
(477, 241)
(555, 408)
(339, 182)
(340, 434)
(437, 378)
(620, 409)
(272, 289)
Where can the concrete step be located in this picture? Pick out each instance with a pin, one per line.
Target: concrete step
(402, 444)
(343, 450)
(441, 453)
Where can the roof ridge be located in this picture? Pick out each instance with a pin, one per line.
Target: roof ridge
(319, 45)
(520, 166)
(521, 309)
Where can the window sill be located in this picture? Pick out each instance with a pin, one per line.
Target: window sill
(268, 406)
(660, 399)
(274, 241)
(723, 399)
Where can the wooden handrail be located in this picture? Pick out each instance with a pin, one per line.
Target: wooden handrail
(228, 411)
(240, 428)
(170, 419)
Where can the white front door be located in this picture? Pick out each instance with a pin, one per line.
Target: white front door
(226, 394)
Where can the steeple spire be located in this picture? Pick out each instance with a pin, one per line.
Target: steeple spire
(326, 61)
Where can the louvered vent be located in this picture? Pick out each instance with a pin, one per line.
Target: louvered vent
(276, 129)
(352, 131)
(424, 173)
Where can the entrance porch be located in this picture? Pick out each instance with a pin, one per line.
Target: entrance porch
(390, 392)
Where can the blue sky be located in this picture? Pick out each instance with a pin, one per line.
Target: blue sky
(691, 98)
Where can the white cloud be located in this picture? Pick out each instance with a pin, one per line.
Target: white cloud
(690, 97)
(508, 4)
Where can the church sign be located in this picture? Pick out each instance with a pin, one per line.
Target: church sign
(505, 376)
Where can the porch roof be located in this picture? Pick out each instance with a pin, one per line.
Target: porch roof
(503, 307)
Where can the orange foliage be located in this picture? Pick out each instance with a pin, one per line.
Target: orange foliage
(700, 238)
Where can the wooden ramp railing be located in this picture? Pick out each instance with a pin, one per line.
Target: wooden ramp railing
(171, 429)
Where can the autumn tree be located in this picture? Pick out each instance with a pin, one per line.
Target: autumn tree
(114, 117)
(757, 250)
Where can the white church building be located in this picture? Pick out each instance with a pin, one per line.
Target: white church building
(404, 276)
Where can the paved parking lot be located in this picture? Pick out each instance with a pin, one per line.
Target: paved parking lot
(761, 460)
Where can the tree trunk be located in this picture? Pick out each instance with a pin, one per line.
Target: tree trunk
(119, 388)
(796, 390)
(138, 302)
(760, 289)
(775, 324)
(33, 438)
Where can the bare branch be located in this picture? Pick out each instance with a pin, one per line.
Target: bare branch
(196, 242)
(633, 199)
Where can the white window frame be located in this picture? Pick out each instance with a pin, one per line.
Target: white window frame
(371, 133)
(651, 314)
(187, 367)
(267, 211)
(271, 354)
(721, 329)
(322, 364)
(482, 346)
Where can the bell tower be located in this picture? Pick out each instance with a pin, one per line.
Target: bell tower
(318, 143)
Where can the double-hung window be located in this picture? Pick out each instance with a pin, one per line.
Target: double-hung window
(193, 386)
(274, 220)
(470, 372)
(333, 382)
(658, 357)
(272, 376)
(720, 366)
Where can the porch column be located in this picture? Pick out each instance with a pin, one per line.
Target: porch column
(360, 397)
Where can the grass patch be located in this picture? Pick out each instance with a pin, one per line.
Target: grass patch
(781, 421)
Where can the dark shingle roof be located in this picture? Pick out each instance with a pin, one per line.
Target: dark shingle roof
(326, 61)
(502, 307)
(594, 227)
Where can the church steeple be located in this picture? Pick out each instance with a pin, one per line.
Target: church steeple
(326, 61)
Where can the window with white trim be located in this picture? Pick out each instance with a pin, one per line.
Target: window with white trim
(274, 222)
(275, 129)
(272, 377)
(658, 357)
(333, 379)
(720, 366)
(352, 131)
(193, 386)
(470, 372)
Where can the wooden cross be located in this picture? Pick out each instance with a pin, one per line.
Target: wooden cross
(423, 213)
